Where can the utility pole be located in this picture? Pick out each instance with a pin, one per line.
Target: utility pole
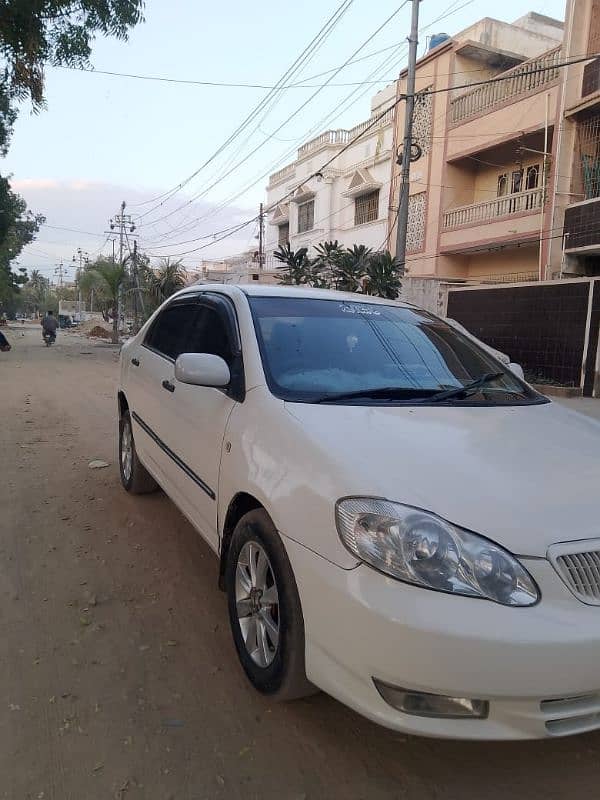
(261, 238)
(137, 282)
(84, 258)
(409, 107)
(121, 221)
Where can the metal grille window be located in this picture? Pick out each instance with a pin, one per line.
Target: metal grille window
(283, 233)
(306, 216)
(415, 234)
(366, 208)
(587, 153)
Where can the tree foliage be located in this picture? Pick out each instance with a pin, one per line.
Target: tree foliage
(166, 279)
(106, 279)
(18, 228)
(294, 264)
(353, 269)
(58, 32)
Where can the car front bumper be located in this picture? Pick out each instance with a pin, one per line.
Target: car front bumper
(538, 667)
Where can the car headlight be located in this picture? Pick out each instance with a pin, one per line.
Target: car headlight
(420, 548)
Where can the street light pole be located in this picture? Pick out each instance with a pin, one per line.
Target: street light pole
(409, 107)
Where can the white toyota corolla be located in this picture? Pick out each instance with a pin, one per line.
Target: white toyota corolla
(400, 520)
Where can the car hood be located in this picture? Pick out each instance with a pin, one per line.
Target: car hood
(524, 476)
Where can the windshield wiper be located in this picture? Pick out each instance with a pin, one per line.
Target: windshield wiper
(467, 389)
(392, 392)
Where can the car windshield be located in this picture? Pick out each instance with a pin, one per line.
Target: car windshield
(341, 351)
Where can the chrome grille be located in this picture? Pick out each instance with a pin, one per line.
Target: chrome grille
(579, 567)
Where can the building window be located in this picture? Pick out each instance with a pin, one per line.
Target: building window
(516, 181)
(587, 155)
(306, 216)
(532, 177)
(502, 185)
(283, 234)
(366, 208)
(415, 234)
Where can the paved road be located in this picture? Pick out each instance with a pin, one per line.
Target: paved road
(118, 676)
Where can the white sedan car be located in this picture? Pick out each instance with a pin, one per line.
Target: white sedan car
(399, 519)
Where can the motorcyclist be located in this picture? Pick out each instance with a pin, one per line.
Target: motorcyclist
(49, 325)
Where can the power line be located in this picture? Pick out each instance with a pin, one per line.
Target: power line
(313, 45)
(284, 123)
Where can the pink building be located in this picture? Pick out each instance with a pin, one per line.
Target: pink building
(479, 195)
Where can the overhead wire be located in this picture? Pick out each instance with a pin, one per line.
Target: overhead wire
(283, 124)
(336, 112)
(324, 32)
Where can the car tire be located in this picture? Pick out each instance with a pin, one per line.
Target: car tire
(134, 476)
(264, 610)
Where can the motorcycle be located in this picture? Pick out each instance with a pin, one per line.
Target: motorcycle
(49, 337)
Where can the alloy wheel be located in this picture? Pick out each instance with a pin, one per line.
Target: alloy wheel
(257, 603)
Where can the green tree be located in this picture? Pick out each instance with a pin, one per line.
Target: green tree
(351, 268)
(34, 294)
(18, 228)
(34, 33)
(294, 264)
(325, 264)
(166, 279)
(106, 279)
(383, 276)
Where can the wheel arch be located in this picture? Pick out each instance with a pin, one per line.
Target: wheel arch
(123, 404)
(241, 504)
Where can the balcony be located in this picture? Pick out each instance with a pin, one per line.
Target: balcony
(341, 136)
(526, 79)
(492, 210)
(282, 174)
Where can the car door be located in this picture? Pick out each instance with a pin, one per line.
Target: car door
(203, 412)
(150, 384)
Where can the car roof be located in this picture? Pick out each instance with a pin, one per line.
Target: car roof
(308, 292)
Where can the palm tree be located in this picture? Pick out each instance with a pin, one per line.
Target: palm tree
(351, 268)
(36, 289)
(294, 264)
(383, 276)
(168, 278)
(324, 266)
(106, 278)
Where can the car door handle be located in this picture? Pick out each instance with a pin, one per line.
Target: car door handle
(168, 386)
(135, 362)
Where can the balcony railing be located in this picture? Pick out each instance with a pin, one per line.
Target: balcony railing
(480, 213)
(525, 79)
(342, 136)
(284, 172)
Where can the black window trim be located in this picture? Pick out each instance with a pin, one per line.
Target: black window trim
(224, 307)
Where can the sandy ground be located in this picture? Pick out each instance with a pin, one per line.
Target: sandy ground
(118, 677)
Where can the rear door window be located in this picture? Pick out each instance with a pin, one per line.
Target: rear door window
(170, 334)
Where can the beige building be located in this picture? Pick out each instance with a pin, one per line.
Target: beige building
(574, 232)
(477, 191)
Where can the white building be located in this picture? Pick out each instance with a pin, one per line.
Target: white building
(350, 201)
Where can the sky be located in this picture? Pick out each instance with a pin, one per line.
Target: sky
(104, 138)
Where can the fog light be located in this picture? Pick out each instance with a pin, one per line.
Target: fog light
(424, 704)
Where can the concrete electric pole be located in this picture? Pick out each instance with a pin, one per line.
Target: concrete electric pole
(402, 227)
(261, 238)
(121, 222)
(84, 258)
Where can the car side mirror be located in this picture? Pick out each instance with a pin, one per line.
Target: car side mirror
(517, 369)
(202, 369)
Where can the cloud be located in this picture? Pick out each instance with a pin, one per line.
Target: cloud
(78, 213)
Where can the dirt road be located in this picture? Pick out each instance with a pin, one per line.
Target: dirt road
(117, 672)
